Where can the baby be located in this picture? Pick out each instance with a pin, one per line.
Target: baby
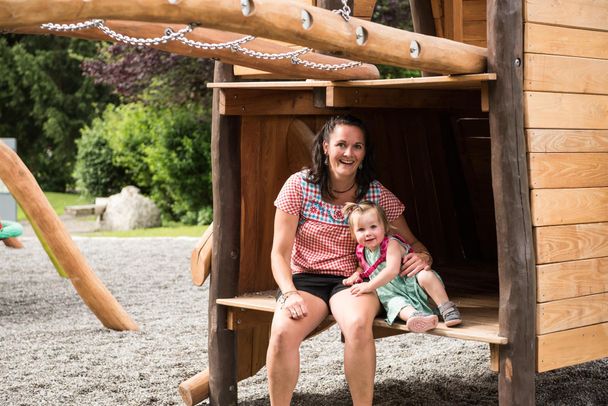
(380, 256)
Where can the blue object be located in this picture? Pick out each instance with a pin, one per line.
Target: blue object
(10, 229)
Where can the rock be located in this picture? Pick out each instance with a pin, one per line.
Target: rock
(129, 210)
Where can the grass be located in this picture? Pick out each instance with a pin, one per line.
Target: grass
(60, 200)
(171, 231)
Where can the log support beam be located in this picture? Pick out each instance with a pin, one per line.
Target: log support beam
(226, 178)
(516, 262)
(275, 19)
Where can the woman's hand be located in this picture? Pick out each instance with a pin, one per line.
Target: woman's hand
(415, 262)
(295, 306)
(361, 289)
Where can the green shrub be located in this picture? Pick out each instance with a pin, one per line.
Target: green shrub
(163, 151)
(95, 172)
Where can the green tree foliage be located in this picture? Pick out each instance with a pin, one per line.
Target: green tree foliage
(45, 100)
(163, 151)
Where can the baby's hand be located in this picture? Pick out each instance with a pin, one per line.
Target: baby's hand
(353, 279)
(361, 289)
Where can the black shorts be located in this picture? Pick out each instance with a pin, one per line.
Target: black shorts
(321, 286)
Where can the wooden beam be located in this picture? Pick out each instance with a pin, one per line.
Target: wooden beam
(274, 19)
(402, 98)
(422, 19)
(235, 102)
(195, 389)
(206, 35)
(516, 263)
(225, 164)
(58, 243)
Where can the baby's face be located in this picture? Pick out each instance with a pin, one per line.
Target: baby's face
(369, 230)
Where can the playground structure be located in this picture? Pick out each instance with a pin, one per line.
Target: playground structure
(513, 140)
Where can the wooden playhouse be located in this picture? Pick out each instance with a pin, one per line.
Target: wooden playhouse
(501, 159)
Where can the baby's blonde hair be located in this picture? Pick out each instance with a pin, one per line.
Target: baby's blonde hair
(359, 208)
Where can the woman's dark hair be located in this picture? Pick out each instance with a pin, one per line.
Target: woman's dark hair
(319, 172)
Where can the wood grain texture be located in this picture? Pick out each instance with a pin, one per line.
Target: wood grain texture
(568, 170)
(516, 262)
(402, 98)
(553, 40)
(565, 110)
(226, 185)
(571, 279)
(572, 347)
(240, 102)
(571, 242)
(551, 73)
(592, 14)
(569, 206)
(474, 10)
(571, 313)
(273, 19)
(556, 140)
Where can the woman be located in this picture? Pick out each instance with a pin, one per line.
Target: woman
(313, 252)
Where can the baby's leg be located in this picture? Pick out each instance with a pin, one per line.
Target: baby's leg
(432, 286)
(418, 322)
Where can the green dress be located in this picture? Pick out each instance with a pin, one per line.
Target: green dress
(399, 292)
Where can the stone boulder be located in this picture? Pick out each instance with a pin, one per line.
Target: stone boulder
(129, 210)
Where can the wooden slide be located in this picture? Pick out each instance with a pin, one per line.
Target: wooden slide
(58, 244)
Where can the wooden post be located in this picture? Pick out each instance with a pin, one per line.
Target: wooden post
(226, 177)
(58, 244)
(516, 262)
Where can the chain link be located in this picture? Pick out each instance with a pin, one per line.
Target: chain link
(344, 11)
(180, 35)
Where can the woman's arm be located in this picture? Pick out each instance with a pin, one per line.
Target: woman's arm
(420, 259)
(285, 226)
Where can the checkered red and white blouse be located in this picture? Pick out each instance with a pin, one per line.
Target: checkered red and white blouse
(323, 243)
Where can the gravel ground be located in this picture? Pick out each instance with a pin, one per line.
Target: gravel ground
(55, 352)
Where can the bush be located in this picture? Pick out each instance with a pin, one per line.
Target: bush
(163, 151)
(95, 172)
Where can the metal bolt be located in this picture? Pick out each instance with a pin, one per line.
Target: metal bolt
(414, 49)
(174, 1)
(246, 7)
(361, 35)
(306, 19)
(231, 388)
(517, 62)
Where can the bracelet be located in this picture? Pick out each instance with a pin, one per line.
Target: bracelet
(284, 297)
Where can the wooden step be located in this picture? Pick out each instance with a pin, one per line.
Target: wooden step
(479, 314)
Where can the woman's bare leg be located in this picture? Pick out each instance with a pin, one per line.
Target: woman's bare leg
(355, 315)
(283, 356)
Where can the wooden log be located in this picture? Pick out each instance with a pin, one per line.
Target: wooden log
(200, 260)
(195, 389)
(280, 66)
(274, 19)
(60, 247)
(422, 19)
(516, 264)
(12, 242)
(225, 164)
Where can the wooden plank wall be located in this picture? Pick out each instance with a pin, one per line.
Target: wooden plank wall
(461, 20)
(566, 119)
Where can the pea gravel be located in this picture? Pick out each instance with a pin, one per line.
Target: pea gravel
(55, 352)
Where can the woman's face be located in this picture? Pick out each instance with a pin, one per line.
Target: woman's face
(345, 150)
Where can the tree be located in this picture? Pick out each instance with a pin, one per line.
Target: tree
(45, 100)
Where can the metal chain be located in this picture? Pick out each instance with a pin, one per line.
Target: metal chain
(344, 11)
(235, 45)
